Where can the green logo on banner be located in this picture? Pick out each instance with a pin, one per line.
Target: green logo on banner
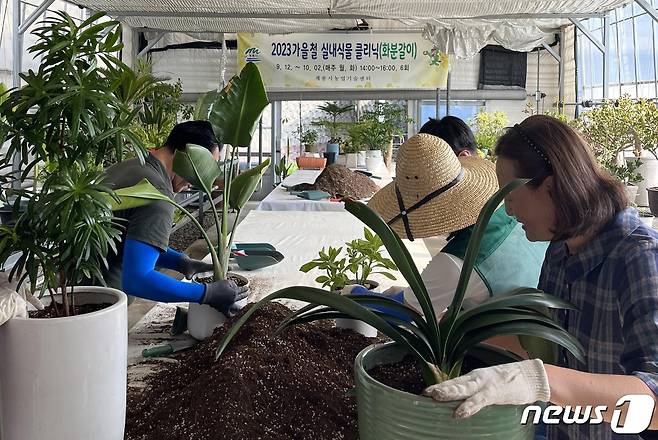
(252, 55)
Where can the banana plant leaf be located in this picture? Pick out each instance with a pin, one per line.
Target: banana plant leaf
(243, 186)
(205, 103)
(238, 107)
(197, 165)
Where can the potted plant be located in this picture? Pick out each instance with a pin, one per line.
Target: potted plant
(625, 126)
(487, 128)
(233, 112)
(350, 151)
(308, 138)
(439, 347)
(64, 376)
(332, 126)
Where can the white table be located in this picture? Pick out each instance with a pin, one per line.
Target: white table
(299, 237)
(281, 200)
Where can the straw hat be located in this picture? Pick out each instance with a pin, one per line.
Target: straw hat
(454, 189)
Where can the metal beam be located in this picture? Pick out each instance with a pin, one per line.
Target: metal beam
(588, 34)
(550, 50)
(448, 92)
(644, 4)
(17, 66)
(151, 44)
(43, 7)
(606, 56)
(561, 73)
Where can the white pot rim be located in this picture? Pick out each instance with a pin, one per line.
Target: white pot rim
(122, 301)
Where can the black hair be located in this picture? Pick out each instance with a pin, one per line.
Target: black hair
(192, 132)
(452, 130)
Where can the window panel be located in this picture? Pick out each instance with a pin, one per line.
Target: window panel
(626, 52)
(644, 48)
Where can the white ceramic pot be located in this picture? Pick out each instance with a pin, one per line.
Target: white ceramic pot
(358, 326)
(65, 378)
(341, 159)
(203, 319)
(631, 190)
(374, 163)
(361, 159)
(352, 160)
(374, 153)
(649, 172)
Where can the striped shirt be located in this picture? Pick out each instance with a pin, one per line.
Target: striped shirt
(613, 281)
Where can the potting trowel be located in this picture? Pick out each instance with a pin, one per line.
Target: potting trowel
(169, 348)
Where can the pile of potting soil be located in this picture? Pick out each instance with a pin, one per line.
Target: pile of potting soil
(294, 386)
(340, 181)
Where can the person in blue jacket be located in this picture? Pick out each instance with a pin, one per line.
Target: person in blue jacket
(144, 242)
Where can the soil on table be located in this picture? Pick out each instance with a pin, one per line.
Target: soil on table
(239, 281)
(294, 386)
(182, 238)
(340, 181)
(49, 310)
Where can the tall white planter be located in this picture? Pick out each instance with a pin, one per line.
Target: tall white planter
(361, 159)
(65, 378)
(203, 319)
(649, 172)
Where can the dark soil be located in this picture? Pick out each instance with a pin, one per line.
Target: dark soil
(183, 237)
(404, 376)
(239, 281)
(49, 310)
(340, 181)
(294, 386)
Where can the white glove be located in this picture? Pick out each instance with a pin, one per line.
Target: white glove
(11, 305)
(518, 383)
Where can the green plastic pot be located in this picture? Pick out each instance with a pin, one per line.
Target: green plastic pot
(389, 414)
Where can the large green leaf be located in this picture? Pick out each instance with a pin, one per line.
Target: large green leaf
(197, 165)
(238, 107)
(205, 103)
(405, 263)
(243, 186)
(135, 196)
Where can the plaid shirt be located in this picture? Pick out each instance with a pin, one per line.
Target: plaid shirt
(613, 281)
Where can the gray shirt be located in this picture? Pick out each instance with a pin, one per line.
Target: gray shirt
(151, 223)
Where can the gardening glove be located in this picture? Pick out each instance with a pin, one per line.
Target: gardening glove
(223, 294)
(517, 383)
(190, 267)
(11, 305)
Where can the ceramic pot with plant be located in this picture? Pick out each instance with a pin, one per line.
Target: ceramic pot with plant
(63, 370)
(308, 139)
(438, 347)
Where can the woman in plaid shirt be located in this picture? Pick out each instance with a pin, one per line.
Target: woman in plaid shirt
(601, 258)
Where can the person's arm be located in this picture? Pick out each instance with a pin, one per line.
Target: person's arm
(178, 261)
(572, 387)
(139, 277)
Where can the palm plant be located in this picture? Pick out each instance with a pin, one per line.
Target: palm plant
(67, 115)
(440, 347)
(332, 125)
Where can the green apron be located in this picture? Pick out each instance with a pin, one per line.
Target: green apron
(506, 261)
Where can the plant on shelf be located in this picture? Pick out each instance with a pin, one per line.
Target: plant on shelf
(307, 138)
(487, 128)
(332, 125)
(363, 259)
(377, 127)
(438, 346)
(67, 115)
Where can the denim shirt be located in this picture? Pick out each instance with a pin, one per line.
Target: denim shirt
(613, 281)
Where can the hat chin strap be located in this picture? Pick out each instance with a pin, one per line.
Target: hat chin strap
(404, 213)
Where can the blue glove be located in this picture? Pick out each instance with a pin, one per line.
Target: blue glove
(393, 293)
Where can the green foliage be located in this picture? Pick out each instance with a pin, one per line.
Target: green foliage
(335, 268)
(618, 126)
(285, 168)
(332, 126)
(377, 126)
(363, 259)
(307, 138)
(160, 106)
(439, 347)
(70, 115)
(487, 128)
(235, 110)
